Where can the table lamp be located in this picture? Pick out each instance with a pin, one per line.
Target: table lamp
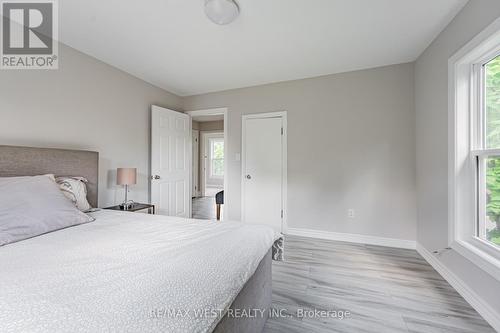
(126, 176)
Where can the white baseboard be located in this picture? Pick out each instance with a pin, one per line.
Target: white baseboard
(485, 310)
(353, 238)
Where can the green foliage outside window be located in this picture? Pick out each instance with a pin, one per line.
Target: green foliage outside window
(492, 103)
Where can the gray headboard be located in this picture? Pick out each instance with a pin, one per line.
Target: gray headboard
(28, 161)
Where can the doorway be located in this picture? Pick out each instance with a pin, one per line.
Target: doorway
(264, 169)
(209, 163)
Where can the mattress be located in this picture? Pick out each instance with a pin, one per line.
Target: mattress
(129, 272)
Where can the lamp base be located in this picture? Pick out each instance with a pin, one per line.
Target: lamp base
(127, 205)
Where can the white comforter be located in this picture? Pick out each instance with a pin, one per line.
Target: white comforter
(128, 272)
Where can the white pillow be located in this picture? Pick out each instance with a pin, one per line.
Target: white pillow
(31, 206)
(75, 189)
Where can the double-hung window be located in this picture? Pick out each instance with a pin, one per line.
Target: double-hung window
(486, 150)
(474, 150)
(216, 157)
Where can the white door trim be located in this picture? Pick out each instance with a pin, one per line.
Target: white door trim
(208, 112)
(283, 116)
(213, 112)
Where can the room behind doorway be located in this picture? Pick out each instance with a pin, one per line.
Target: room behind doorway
(208, 164)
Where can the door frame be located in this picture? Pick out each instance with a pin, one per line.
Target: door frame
(216, 112)
(284, 175)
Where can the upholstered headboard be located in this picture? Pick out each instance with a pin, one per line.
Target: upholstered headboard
(29, 161)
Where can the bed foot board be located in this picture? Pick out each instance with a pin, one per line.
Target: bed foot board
(256, 294)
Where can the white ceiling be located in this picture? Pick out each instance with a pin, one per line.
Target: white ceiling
(171, 44)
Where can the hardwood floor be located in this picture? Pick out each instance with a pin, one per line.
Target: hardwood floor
(204, 208)
(384, 289)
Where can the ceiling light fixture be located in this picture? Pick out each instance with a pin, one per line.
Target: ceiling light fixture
(221, 11)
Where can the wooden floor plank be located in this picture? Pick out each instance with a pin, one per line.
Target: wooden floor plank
(385, 290)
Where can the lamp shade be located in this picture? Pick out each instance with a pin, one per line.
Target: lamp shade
(126, 176)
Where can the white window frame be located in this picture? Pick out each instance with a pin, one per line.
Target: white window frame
(465, 117)
(205, 149)
(210, 159)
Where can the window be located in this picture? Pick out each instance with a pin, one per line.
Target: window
(474, 152)
(487, 152)
(216, 157)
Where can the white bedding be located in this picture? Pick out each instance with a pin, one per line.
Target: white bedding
(125, 271)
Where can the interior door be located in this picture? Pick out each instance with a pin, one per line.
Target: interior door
(171, 162)
(196, 167)
(262, 200)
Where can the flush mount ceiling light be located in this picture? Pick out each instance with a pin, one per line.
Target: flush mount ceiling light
(221, 11)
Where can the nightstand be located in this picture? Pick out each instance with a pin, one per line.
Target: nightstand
(135, 207)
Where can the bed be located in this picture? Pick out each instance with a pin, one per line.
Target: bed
(131, 272)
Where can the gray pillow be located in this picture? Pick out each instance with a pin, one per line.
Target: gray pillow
(75, 189)
(31, 206)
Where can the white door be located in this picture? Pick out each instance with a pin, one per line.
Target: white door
(171, 162)
(264, 165)
(196, 159)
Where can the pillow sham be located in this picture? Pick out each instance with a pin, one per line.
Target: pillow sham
(31, 206)
(75, 189)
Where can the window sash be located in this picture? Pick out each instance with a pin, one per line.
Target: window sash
(466, 129)
(478, 118)
(480, 158)
(478, 238)
(480, 196)
(480, 153)
(213, 143)
(212, 168)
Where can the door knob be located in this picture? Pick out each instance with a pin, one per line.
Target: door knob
(155, 177)
(248, 177)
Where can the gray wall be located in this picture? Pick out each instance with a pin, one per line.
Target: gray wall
(86, 104)
(217, 125)
(351, 144)
(431, 99)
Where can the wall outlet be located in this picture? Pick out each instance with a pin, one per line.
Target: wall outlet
(350, 213)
